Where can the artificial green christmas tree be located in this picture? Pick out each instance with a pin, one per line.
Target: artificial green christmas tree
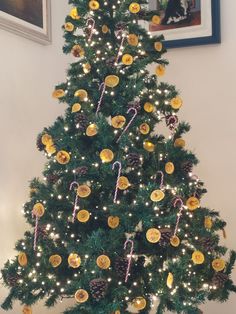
(117, 221)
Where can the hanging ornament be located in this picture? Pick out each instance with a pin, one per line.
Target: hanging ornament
(176, 103)
(208, 223)
(94, 5)
(156, 19)
(139, 303)
(123, 183)
(198, 258)
(82, 94)
(62, 157)
(102, 88)
(83, 216)
(130, 255)
(76, 107)
(86, 68)
(112, 80)
(92, 130)
(219, 279)
(130, 122)
(157, 195)
(144, 128)
(148, 107)
(27, 309)
(51, 149)
(169, 167)
(81, 296)
(153, 235)
(105, 29)
(121, 266)
(148, 146)
(118, 122)
(58, 93)
(72, 185)
(106, 155)
(175, 241)
(162, 179)
(77, 51)
(81, 121)
(74, 260)
(22, 259)
(134, 160)
(171, 121)
(55, 260)
(134, 7)
(113, 222)
(103, 262)
(218, 264)
(170, 280)
(127, 59)
(179, 142)
(46, 139)
(166, 234)
(74, 14)
(69, 27)
(160, 70)
(118, 178)
(158, 46)
(179, 201)
(83, 191)
(132, 40)
(192, 203)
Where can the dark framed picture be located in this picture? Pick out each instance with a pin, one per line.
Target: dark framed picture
(187, 22)
(28, 18)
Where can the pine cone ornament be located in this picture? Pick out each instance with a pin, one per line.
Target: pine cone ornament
(39, 143)
(81, 171)
(166, 234)
(52, 178)
(208, 243)
(110, 62)
(42, 232)
(187, 167)
(98, 288)
(12, 280)
(134, 160)
(121, 265)
(81, 121)
(171, 121)
(135, 104)
(219, 279)
(120, 25)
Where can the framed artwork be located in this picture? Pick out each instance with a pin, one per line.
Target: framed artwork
(28, 18)
(187, 22)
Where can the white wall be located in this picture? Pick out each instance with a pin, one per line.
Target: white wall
(205, 75)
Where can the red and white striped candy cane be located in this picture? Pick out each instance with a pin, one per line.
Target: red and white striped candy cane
(118, 177)
(130, 255)
(130, 122)
(72, 185)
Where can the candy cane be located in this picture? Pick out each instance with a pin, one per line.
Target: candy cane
(76, 199)
(118, 177)
(178, 200)
(92, 27)
(162, 179)
(130, 122)
(103, 88)
(129, 257)
(120, 48)
(36, 231)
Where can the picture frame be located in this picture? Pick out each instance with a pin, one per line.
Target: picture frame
(27, 18)
(202, 28)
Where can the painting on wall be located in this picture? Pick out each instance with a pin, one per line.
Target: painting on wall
(28, 18)
(187, 22)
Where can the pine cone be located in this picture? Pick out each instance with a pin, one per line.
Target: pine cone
(98, 288)
(81, 171)
(110, 62)
(52, 178)
(208, 243)
(121, 265)
(12, 280)
(121, 25)
(42, 232)
(171, 121)
(135, 104)
(219, 279)
(187, 167)
(166, 234)
(134, 160)
(39, 143)
(81, 121)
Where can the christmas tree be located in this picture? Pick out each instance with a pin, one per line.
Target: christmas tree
(117, 222)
